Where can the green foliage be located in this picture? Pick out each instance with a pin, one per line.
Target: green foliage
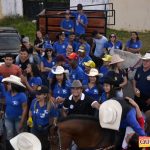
(23, 25)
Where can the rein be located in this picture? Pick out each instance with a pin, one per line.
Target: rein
(107, 148)
(59, 139)
(134, 66)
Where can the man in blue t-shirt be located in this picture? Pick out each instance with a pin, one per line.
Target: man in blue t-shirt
(81, 20)
(60, 45)
(67, 25)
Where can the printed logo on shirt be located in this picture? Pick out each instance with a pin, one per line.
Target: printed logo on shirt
(63, 46)
(138, 76)
(115, 78)
(144, 141)
(95, 91)
(86, 90)
(136, 46)
(15, 103)
(71, 106)
(73, 76)
(42, 115)
(64, 91)
(148, 78)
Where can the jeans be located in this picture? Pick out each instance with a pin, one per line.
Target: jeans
(12, 127)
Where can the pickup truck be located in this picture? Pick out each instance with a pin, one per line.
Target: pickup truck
(10, 41)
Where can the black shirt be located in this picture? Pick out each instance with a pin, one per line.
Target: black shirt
(82, 106)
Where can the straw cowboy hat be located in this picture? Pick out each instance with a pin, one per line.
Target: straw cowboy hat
(116, 59)
(58, 70)
(146, 56)
(14, 79)
(25, 141)
(93, 72)
(110, 113)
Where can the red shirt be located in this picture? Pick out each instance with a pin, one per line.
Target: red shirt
(12, 70)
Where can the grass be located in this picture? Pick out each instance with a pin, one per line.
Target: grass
(26, 27)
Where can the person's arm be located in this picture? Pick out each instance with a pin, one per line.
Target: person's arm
(124, 82)
(135, 105)
(23, 117)
(44, 69)
(136, 90)
(24, 80)
(132, 121)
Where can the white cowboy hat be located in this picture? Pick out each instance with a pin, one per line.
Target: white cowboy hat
(26, 141)
(14, 79)
(116, 59)
(93, 72)
(146, 56)
(58, 70)
(110, 114)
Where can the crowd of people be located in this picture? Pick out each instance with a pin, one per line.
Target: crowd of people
(50, 80)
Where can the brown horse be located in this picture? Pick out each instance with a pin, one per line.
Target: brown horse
(85, 131)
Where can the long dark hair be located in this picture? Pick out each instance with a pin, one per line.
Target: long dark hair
(99, 87)
(137, 38)
(54, 81)
(46, 56)
(16, 88)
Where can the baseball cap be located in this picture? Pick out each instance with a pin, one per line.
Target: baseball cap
(90, 63)
(42, 90)
(73, 56)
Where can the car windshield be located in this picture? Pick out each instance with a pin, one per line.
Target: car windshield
(9, 41)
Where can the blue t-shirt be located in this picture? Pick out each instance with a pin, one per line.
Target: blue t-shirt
(61, 91)
(60, 48)
(79, 29)
(104, 70)
(14, 105)
(135, 45)
(85, 79)
(41, 115)
(92, 92)
(67, 24)
(117, 45)
(143, 82)
(82, 60)
(131, 120)
(76, 74)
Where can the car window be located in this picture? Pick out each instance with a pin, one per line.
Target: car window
(9, 42)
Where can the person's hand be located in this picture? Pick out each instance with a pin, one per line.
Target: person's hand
(23, 79)
(30, 122)
(95, 104)
(59, 100)
(132, 102)
(137, 92)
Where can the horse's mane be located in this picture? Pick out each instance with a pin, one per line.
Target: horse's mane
(82, 117)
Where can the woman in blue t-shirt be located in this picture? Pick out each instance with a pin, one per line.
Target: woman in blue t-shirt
(47, 62)
(93, 89)
(113, 43)
(60, 86)
(41, 115)
(16, 106)
(134, 45)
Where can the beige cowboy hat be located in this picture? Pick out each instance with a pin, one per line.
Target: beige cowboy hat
(146, 56)
(116, 59)
(110, 113)
(14, 79)
(26, 141)
(93, 72)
